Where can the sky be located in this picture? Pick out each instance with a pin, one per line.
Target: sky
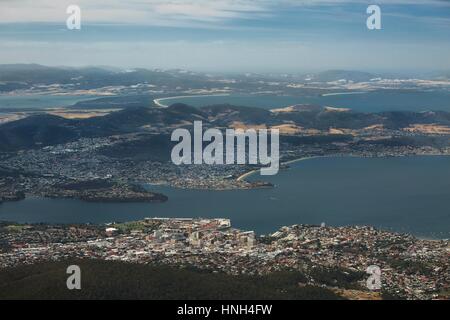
(229, 35)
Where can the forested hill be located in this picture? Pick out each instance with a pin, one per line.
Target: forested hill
(119, 280)
(41, 130)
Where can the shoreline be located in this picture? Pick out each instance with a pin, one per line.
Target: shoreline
(259, 234)
(250, 173)
(425, 236)
(343, 93)
(159, 104)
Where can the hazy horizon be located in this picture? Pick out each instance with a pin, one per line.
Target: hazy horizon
(229, 35)
(425, 73)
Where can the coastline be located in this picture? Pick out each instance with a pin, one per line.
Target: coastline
(35, 206)
(250, 173)
(247, 174)
(343, 93)
(159, 100)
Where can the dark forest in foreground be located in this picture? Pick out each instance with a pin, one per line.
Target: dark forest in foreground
(119, 280)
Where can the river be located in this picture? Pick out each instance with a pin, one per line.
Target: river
(406, 194)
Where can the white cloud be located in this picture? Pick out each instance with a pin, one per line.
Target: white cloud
(163, 12)
(131, 11)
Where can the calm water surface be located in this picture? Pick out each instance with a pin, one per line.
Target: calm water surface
(410, 194)
(39, 101)
(376, 101)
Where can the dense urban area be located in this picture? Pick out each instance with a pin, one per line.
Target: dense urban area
(411, 268)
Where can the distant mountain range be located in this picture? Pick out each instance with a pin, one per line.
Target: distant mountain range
(21, 76)
(25, 76)
(336, 75)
